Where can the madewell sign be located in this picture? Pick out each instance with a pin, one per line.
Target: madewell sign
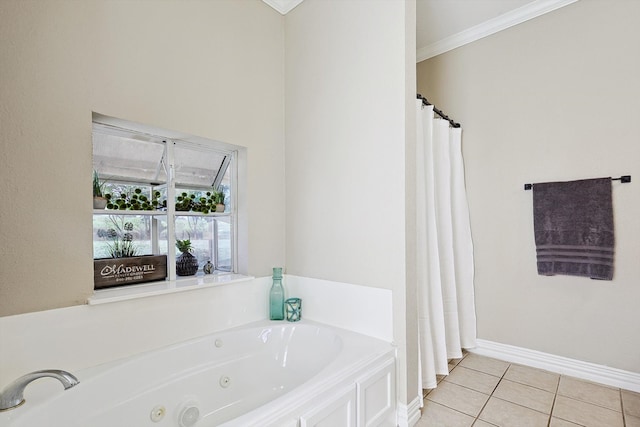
(125, 271)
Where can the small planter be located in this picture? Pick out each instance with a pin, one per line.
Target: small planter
(99, 202)
(109, 272)
(186, 265)
(219, 207)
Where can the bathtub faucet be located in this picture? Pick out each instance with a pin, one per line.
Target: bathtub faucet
(11, 396)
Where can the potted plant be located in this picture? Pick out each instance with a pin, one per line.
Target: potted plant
(218, 199)
(121, 245)
(99, 201)
(124, 265)
(186, 264)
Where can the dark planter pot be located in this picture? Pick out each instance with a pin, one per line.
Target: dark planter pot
(186, 265)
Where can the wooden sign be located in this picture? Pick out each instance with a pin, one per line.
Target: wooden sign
(109, 272)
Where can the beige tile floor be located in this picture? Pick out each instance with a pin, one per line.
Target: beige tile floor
(484, 392)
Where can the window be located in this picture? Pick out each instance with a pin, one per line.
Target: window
(161, 189)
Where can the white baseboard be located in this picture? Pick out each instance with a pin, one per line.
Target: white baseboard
(408, 415)
(561, 365)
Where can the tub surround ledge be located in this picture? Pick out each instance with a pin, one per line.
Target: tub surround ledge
(103, 296)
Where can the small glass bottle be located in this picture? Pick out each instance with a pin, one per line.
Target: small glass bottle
(276, 296)
(208, 267)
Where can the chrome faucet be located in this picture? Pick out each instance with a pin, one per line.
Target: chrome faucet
(12, 397)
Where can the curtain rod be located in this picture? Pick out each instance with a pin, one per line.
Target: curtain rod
(438, 112)
(623, 179)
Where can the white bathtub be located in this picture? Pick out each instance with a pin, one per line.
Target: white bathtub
(262, 374)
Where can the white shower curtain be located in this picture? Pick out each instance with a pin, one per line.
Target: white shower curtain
(446, 307)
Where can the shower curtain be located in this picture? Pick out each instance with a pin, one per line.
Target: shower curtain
(446, 307)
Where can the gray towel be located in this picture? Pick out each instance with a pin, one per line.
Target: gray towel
(573, 227)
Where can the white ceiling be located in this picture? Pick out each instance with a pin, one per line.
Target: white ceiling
(443, 25)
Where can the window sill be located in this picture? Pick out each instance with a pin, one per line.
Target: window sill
(104, 296)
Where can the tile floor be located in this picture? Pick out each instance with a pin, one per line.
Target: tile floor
(484, 392)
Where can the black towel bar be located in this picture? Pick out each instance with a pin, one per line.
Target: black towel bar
(623, 179)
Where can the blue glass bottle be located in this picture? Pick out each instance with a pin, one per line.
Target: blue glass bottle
(276, 296)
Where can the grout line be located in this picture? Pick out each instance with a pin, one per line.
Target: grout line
(522, 406)
(555, 396)
(491, 395)
(468, 388)
(482, 372)
(589, 403)
(624, 418)
(578, 399)
(486, 422)
(529, 385)
(571, 422)
(537, 369)
(453, 409)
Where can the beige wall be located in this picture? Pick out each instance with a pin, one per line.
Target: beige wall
(346, 131)
(183, 66)
(555, 98)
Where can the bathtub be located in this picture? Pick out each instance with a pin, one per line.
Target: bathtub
(261, 374)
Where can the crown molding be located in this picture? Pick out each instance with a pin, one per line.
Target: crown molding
(283, 6)
(492, 26)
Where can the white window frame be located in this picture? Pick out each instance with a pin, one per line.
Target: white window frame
(236, 154)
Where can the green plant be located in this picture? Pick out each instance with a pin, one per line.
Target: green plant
(122, 249)
(121, 245)
(134, 200)
(185, 202)
(218, 197)
(98, 186)
(184, 246)
(196, 202)
(186, 264)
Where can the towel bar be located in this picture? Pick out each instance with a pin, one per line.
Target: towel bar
(623, 179)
